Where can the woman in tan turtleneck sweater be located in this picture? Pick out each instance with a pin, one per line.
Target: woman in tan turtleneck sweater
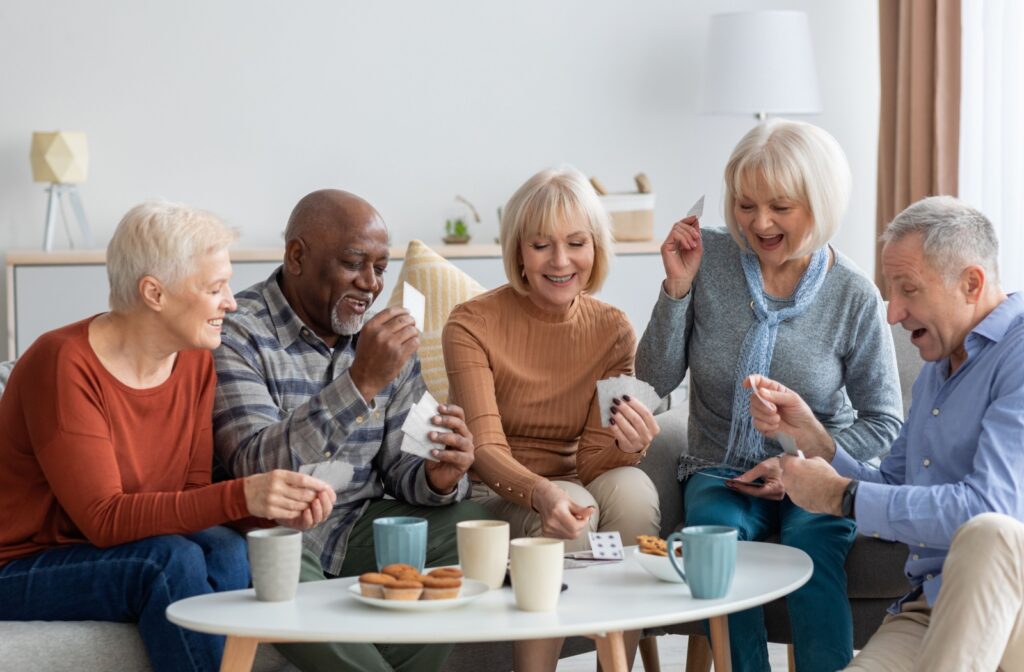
(524, 359)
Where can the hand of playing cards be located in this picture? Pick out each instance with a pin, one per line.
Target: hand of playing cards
(622, 386)
(417, 428)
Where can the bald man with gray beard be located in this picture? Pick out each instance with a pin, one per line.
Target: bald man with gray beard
(306, 382)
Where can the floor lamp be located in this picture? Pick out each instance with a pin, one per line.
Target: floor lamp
(761, 63)
(62, 159)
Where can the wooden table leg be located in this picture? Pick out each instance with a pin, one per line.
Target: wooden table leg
(239, 653)
(720, 644)
(611, 652)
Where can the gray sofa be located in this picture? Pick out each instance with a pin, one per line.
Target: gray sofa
(874, 568)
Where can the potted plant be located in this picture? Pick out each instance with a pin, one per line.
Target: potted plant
(455, 228)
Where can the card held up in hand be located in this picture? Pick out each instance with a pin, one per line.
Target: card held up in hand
(622, 386)
(417, 427)
(606, 545)
(414, 301)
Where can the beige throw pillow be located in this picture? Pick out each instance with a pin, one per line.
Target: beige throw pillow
(444, 286)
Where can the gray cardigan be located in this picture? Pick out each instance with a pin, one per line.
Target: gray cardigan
(838, 355)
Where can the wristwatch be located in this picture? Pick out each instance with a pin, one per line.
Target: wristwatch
(849, 495)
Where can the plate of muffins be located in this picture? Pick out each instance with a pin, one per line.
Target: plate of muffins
(402, 587)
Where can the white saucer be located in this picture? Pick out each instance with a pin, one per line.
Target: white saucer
(471, 590)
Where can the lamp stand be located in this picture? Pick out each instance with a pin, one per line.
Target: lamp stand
(55, 203)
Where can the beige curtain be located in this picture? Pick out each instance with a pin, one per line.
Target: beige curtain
(919, 125)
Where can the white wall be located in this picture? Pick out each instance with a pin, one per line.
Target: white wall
(243, 106)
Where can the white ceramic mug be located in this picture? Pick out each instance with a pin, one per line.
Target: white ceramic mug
(275, 557)
(537, 572)
(483, 550)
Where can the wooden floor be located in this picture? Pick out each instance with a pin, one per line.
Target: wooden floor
(672, 651)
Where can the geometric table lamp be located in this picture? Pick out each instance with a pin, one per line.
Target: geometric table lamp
(62, 159)
(760, 63)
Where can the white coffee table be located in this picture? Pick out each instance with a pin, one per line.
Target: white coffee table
(602, 602)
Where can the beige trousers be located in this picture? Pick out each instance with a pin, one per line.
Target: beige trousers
(976, 622)
(624, 500)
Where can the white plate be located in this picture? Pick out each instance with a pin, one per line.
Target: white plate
(657, 566)
(471, 589)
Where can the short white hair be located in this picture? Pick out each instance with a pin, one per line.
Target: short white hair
(539, 206)
(953, 236)
(163, 240)
(796, 160)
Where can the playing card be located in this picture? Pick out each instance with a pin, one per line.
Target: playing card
(698, 208)
(606, 545)
(417, 427)
(619, 387)
(414, 301)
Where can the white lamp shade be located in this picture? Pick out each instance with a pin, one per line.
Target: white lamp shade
(761, 62)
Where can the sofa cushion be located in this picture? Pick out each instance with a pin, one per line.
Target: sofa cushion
(444, 286)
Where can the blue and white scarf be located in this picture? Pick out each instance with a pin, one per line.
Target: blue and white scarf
(746, 444)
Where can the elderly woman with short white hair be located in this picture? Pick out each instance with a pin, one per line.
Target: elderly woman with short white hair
(107, 449)
(771, 297)
(523, 360)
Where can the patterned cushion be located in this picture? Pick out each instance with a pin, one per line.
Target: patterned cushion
(444, 287)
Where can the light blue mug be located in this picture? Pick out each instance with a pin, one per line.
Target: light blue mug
(400, 539)
(709, 554)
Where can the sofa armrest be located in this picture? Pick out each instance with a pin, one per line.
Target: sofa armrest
(661, 464)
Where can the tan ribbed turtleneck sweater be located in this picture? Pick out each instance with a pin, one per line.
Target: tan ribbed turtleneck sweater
(527, 379)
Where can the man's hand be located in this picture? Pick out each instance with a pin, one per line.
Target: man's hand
(386, 342)
(813, 484)
(769, 471)
(456, 453)
(774, 408)
(561, 518)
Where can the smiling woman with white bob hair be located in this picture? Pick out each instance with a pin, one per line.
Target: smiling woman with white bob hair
(524, 359)
(771, 297)
(107, 449)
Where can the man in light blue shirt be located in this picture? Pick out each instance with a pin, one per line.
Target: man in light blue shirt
(959, 454)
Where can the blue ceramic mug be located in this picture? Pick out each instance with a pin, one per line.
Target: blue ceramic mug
(400, 539)
(709, 554)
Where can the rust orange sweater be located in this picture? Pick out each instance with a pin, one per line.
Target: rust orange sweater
(86, 458)
(527, 380)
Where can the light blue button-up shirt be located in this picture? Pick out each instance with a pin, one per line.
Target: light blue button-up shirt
(960, 452)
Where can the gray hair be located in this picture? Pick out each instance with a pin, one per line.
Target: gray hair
(953, 236)
(799, 161)
(163, 240)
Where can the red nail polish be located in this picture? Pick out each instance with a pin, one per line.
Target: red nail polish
(616, 402)
(614, 410)
(612, 420)
(626, 397)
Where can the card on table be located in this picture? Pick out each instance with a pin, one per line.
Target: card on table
(620, 386)
(417, 427)
(414, 301)
(606, 545)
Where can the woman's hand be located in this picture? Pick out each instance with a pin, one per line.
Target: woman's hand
(284, 495)
(633, 425)
(769, 471)
(681, 254)
(561, 517)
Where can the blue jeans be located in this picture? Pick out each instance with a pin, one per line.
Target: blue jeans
(819, 612)
(131, 583)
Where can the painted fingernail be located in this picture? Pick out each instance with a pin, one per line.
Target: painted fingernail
(614, 410)
(612, 420)
(616, 402)
(626, 397)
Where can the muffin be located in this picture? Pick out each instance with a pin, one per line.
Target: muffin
(441, 587)
(446, 573)
(397, 569)
(372, 584)
(403, 590)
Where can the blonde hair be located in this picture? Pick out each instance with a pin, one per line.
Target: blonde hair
(799, 161)
(163, 240)
(546, 200)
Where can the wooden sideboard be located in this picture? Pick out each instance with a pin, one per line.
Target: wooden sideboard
(46, 290)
